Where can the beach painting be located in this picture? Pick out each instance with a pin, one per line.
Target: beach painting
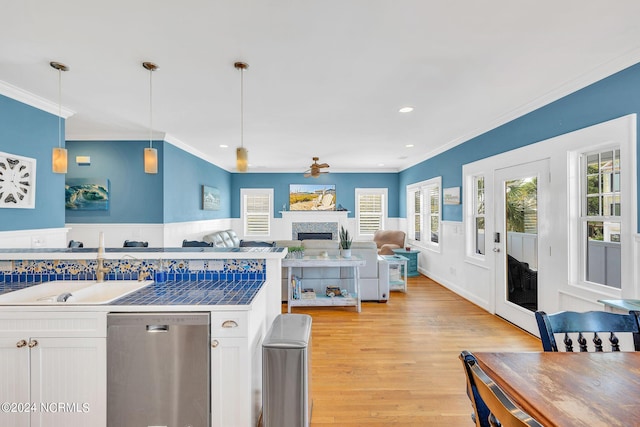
(87, 194)
(210, 198)
(306, 197)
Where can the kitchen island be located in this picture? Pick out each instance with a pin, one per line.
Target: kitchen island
(54, 354)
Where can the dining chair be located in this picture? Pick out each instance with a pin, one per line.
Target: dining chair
(571, 322)
(75, 244)
(195, 244)
(492, 407)
(134, 244)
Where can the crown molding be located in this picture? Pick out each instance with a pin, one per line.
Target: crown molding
(20, 95)
(590, 77)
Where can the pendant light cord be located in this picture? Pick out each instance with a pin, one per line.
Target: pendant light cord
(59, 108)
(242, 107)
(151, 108)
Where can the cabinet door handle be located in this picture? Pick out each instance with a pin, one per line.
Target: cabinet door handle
(229, 324)
(33, 343)
(214, 343)
(21, 343)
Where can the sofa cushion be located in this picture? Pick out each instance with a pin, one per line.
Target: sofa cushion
(223, 239)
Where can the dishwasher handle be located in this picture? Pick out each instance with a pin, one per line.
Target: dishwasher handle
(157, 328)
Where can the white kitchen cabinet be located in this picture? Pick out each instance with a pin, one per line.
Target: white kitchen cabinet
(50, 380)
(236, 364)
(229, 382)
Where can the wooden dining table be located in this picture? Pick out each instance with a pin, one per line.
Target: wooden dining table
(570, 389)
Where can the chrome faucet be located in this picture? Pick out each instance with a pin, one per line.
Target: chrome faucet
(100, 268)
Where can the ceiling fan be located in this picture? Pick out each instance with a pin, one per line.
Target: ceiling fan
(314, 170)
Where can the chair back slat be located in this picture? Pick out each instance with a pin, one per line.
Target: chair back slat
(590, 322)
(501, 410)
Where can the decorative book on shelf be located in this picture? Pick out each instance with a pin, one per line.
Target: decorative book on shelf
(296, 287)
(308, 293)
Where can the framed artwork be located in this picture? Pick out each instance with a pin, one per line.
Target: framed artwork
(17, 181)
(452, 196)
(309, 197)
(87, 194)
(210, 198)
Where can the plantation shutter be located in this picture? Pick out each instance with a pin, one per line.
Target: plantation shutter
(371, 213)
(257, 215)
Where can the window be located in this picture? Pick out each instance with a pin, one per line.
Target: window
(424, 211)
(416, 215)
(371, 210)
(478, 215)
(600, 216)
(256, 211)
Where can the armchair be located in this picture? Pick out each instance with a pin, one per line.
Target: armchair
(387, 240)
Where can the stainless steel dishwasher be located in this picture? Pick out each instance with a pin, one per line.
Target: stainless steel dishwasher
(158, 370)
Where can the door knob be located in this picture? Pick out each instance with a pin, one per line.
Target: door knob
(496, 249)
(33, 343)
(21, 343)
(214, 343)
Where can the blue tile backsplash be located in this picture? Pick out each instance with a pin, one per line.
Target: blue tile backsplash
(231, 270)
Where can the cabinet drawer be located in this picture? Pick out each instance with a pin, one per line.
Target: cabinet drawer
(54, 324)
(229, 324)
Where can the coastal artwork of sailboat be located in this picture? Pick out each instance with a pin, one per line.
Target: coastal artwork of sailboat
(87, 194)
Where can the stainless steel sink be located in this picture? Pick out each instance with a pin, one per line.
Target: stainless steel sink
(73, 292)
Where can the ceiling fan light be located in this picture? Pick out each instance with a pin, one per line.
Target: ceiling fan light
(242, 159)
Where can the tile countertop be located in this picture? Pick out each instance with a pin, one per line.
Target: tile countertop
(146, 253)
(202, 292)
(170, 295)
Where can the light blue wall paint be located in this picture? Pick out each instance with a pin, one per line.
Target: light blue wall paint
(30, 132)
(135, 197)
(345, 183)
(184, 175)
(612, 97)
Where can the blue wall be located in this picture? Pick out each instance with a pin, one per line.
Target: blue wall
(134, 196)
(30, 132)
(612, 97)
(184, 175)
(345, 183)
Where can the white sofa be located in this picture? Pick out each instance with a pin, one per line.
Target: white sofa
(374, 279)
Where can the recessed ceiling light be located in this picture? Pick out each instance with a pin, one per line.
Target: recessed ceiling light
(405, 109)
(224, 146)
(409, 146)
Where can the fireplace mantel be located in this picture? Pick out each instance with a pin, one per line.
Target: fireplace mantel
(314, 221)
(315, 216)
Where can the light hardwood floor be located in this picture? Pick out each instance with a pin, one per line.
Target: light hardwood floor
(397, 363)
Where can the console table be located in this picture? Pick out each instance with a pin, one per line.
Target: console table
(412, 264)
(319, 282)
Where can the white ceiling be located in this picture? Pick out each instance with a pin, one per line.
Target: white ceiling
(326, 77)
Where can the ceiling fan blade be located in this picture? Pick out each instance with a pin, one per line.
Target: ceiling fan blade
(323, 165)
(307, 175)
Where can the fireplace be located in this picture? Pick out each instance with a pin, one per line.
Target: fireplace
(316, 230)
(315, 236)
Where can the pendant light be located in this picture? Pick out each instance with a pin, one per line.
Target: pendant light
(59, 154)
(150, 153)
(242, 155)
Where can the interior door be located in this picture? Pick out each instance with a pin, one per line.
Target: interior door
(519, 241)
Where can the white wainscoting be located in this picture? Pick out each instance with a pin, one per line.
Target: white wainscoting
(158, 235)
(176, 232)
(40, 238)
